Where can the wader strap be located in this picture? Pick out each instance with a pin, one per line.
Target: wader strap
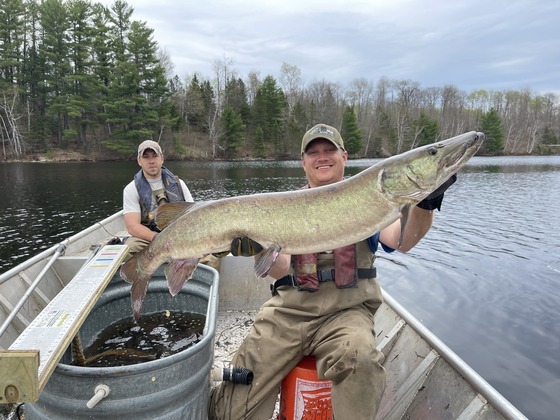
(322, 276)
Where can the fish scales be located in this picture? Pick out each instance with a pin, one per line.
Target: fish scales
(298, 221)
(303, 221)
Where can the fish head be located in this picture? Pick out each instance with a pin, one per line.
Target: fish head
(410, 177)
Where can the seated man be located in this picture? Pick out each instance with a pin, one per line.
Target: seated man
(327, 313)
(152, 186)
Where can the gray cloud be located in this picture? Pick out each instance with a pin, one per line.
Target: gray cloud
(474, 44)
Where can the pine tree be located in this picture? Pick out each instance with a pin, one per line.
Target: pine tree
(194, 108)
(350, 132)
(258, 147)
(138, 90)
(82, 85)
(233, 129)
(236, 98)
(491, 126)
(268, 113)
(297, 125)
(426, 130)
(12, 24)
(54, 53)
(12, 13)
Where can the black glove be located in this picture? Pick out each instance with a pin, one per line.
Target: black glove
(433, 201)
(245, 247)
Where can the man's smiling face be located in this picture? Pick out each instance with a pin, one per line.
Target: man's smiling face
(323, 163)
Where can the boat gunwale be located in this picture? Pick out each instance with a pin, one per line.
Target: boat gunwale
(496, 400)
(52, 250)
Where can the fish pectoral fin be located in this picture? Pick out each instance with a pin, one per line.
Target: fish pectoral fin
(178, 272)
(265, 260)
(167, 213)
(405, 213)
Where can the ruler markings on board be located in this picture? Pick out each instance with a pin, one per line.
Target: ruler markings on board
(50, 328)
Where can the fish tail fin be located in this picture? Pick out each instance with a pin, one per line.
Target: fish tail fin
(139, 279)
(178, 272)
(265, 260)
(137, 295)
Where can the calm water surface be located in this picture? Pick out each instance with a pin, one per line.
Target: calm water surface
(486, 278)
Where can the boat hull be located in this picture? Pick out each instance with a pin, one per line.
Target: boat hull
(425, 379)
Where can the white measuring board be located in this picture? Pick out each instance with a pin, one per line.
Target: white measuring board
(51, 332)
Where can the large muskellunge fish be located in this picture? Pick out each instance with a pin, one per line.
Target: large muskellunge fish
(299, 222)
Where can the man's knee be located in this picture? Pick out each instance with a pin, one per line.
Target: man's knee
(135, 245)
(358, 356)
(358, 389)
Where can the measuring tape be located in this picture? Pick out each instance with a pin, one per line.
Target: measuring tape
(29, 362)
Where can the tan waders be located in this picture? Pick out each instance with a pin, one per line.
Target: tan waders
(336, 326)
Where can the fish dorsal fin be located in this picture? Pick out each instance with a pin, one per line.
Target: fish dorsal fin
(168, 212)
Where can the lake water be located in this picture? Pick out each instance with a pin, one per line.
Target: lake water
(486, 278)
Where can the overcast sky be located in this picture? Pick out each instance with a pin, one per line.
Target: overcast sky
(471, 44)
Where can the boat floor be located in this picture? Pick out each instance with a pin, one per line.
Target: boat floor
(231, 328)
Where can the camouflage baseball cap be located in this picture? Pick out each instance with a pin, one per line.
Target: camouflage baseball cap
(322, 131)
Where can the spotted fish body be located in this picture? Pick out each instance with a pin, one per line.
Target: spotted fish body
(303, 221)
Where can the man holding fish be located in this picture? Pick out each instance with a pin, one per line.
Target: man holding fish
(152, 185)
(323, 304)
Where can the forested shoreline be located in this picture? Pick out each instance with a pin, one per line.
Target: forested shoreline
(81, 81)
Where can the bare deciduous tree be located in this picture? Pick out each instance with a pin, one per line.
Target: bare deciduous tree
(9, 129)
(290, 80)
(327, 101)
(223, 71)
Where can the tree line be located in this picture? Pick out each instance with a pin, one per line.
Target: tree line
(78, 75)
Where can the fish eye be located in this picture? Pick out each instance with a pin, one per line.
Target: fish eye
(432, 151)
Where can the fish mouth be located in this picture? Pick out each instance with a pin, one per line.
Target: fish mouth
(460, 150)
(428, 167)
